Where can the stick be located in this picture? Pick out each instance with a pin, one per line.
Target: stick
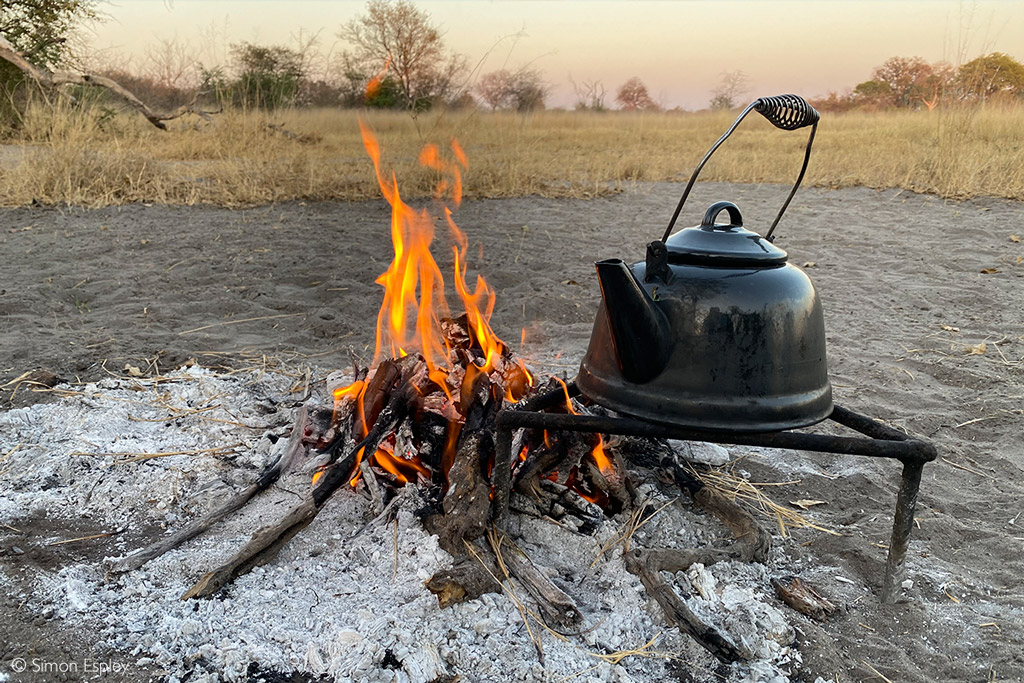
(678, 614)
(554, 605)
(268, 541)
(271, 474)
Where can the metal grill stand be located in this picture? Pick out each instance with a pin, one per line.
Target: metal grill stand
(881, 441)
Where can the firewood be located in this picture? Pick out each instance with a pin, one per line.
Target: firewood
(555, 606)
(466, 507)
(266, 542)
(679, 615)
(754, 541)
(293, 453)
(802, 597)
(466, 580)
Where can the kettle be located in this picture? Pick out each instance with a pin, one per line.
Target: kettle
(714, 329)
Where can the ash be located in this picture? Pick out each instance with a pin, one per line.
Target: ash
(344, 598)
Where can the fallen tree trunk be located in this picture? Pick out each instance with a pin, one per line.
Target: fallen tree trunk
(52, 79)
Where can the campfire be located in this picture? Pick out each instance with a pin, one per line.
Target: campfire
(423, 411)
(422, 418)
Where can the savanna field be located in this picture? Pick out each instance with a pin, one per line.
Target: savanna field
(95, 157)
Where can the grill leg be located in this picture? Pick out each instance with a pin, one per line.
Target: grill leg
(902, 523)
(502, 479)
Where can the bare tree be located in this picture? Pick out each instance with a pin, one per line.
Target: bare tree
(522, 90)
(633, 96)
(396, 33)
(732, 85)
(589, 95)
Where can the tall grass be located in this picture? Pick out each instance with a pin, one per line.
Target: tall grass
(91, 157)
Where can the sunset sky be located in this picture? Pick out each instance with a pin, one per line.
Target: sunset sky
(679, 49)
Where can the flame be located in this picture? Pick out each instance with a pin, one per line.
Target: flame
(604, 463)
(403, 470)
(409, 320)
(374, 85)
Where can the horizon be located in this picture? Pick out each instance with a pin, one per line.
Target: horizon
(678, 49)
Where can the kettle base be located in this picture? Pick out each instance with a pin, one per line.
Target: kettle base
(724, 413)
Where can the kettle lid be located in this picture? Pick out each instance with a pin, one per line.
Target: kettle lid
(718, 244)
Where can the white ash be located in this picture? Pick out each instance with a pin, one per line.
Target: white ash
(351, 608)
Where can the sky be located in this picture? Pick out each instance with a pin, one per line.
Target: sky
(679, 49)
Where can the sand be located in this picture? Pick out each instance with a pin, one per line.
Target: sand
(912, 287)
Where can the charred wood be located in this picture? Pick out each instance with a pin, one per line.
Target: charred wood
(678, 614)
(303, 433)
(802, 597)
(267, 542)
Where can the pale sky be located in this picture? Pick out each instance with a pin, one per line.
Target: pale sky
(679, 49)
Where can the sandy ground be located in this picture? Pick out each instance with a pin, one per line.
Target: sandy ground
(906, 302)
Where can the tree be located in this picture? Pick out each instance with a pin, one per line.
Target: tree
(995, 74)
(40, 29)
(522, 90)
(732, 85)
(633, 96)
(934, 86)
(589, 95)
(906, 78)
(396, 33)
(269, 76)
(874, 94)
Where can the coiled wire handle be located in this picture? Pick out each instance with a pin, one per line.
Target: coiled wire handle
(787, 112)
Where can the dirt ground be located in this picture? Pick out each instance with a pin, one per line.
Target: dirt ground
(924, 307)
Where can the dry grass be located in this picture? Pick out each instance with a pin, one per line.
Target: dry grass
(89, 158)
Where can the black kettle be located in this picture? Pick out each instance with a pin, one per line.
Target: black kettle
(714, 330)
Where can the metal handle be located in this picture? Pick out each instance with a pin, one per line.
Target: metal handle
(718, 207)
(787, 112)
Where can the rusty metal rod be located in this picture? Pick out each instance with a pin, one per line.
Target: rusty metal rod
(902, 524)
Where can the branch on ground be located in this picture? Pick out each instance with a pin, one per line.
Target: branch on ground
(53, 79)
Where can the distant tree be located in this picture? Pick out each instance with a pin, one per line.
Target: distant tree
(834, 102)
(872, 94)
(522, 90)
(732, 85)
(906, 78)
(268, 76)
(633, 96)
(496, 90)
(934, 87)
(994, 75)
(397, 33)
(589, 95)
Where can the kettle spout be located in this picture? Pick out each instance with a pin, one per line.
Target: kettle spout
(641, 333)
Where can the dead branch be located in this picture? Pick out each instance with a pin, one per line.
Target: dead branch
(288, 458)
(802, 597)
(266, 542)
(678, 614)
(53, 79)
(557, 608)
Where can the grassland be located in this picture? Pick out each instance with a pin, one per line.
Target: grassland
(94, 158)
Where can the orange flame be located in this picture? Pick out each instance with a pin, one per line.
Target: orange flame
(604, 463)
(409, 320)
(374, 85)
(403, 470)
